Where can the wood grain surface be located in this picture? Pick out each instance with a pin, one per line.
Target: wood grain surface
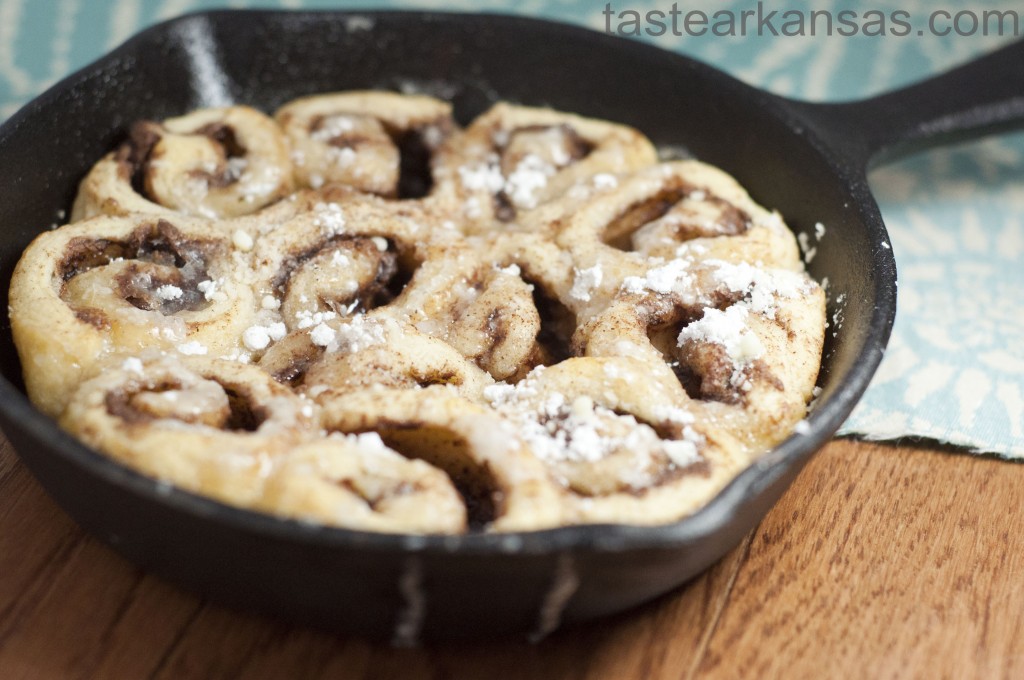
(879, 562)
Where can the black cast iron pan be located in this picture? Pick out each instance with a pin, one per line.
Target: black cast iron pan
(809, 161)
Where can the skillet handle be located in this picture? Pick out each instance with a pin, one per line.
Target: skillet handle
(981, 97)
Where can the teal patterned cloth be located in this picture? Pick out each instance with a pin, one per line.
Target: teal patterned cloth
(954, 371)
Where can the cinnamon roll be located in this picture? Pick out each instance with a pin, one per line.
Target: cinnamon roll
(212, 427)
(214, 163)
(335, 261)
(513, 159)
(744, 342)
(681, 209)
(357, 482)
(402, 359)
(622, 444)
(482, 308)
(504, 487)
(121, 285)
(376, 142)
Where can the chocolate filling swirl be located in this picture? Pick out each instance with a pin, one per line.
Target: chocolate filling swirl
(729, 221)
(165, 271)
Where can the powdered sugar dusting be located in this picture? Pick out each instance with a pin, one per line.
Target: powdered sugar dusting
(672, 277)
(258, 337)
(359, 333)
(132, 365)
(241, 240)
(585, 282)
(329, 217)
(761, 288)
(168, 292)
(522, 185)
(557, 430)
(192, 348)
(726, 328)
(323, 335)
(511, 270)
(308, 318)
(211, 289)
(528, 178)
(483, 177)
(332, 127)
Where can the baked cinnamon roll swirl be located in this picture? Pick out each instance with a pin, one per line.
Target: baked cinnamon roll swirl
(621, 443)
(376, 142)
(335, 262)
(213, 163)
(505, 488)
(403, 359)
(357, 482)
(513, 159)
(484, 310)
(739, 339)
(681, 209)
(121, 285)
(212, 427)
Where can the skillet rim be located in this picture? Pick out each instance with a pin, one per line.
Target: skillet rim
(712, 518)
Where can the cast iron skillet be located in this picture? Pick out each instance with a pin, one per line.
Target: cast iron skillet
(808, 161)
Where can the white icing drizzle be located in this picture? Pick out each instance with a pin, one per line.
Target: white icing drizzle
(409, 622)
(564, 584)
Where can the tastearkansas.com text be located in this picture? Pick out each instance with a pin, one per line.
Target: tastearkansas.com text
(764, 21)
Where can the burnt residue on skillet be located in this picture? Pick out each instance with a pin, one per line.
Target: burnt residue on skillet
(407, 588)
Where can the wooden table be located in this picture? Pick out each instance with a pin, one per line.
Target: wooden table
(879, 562)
